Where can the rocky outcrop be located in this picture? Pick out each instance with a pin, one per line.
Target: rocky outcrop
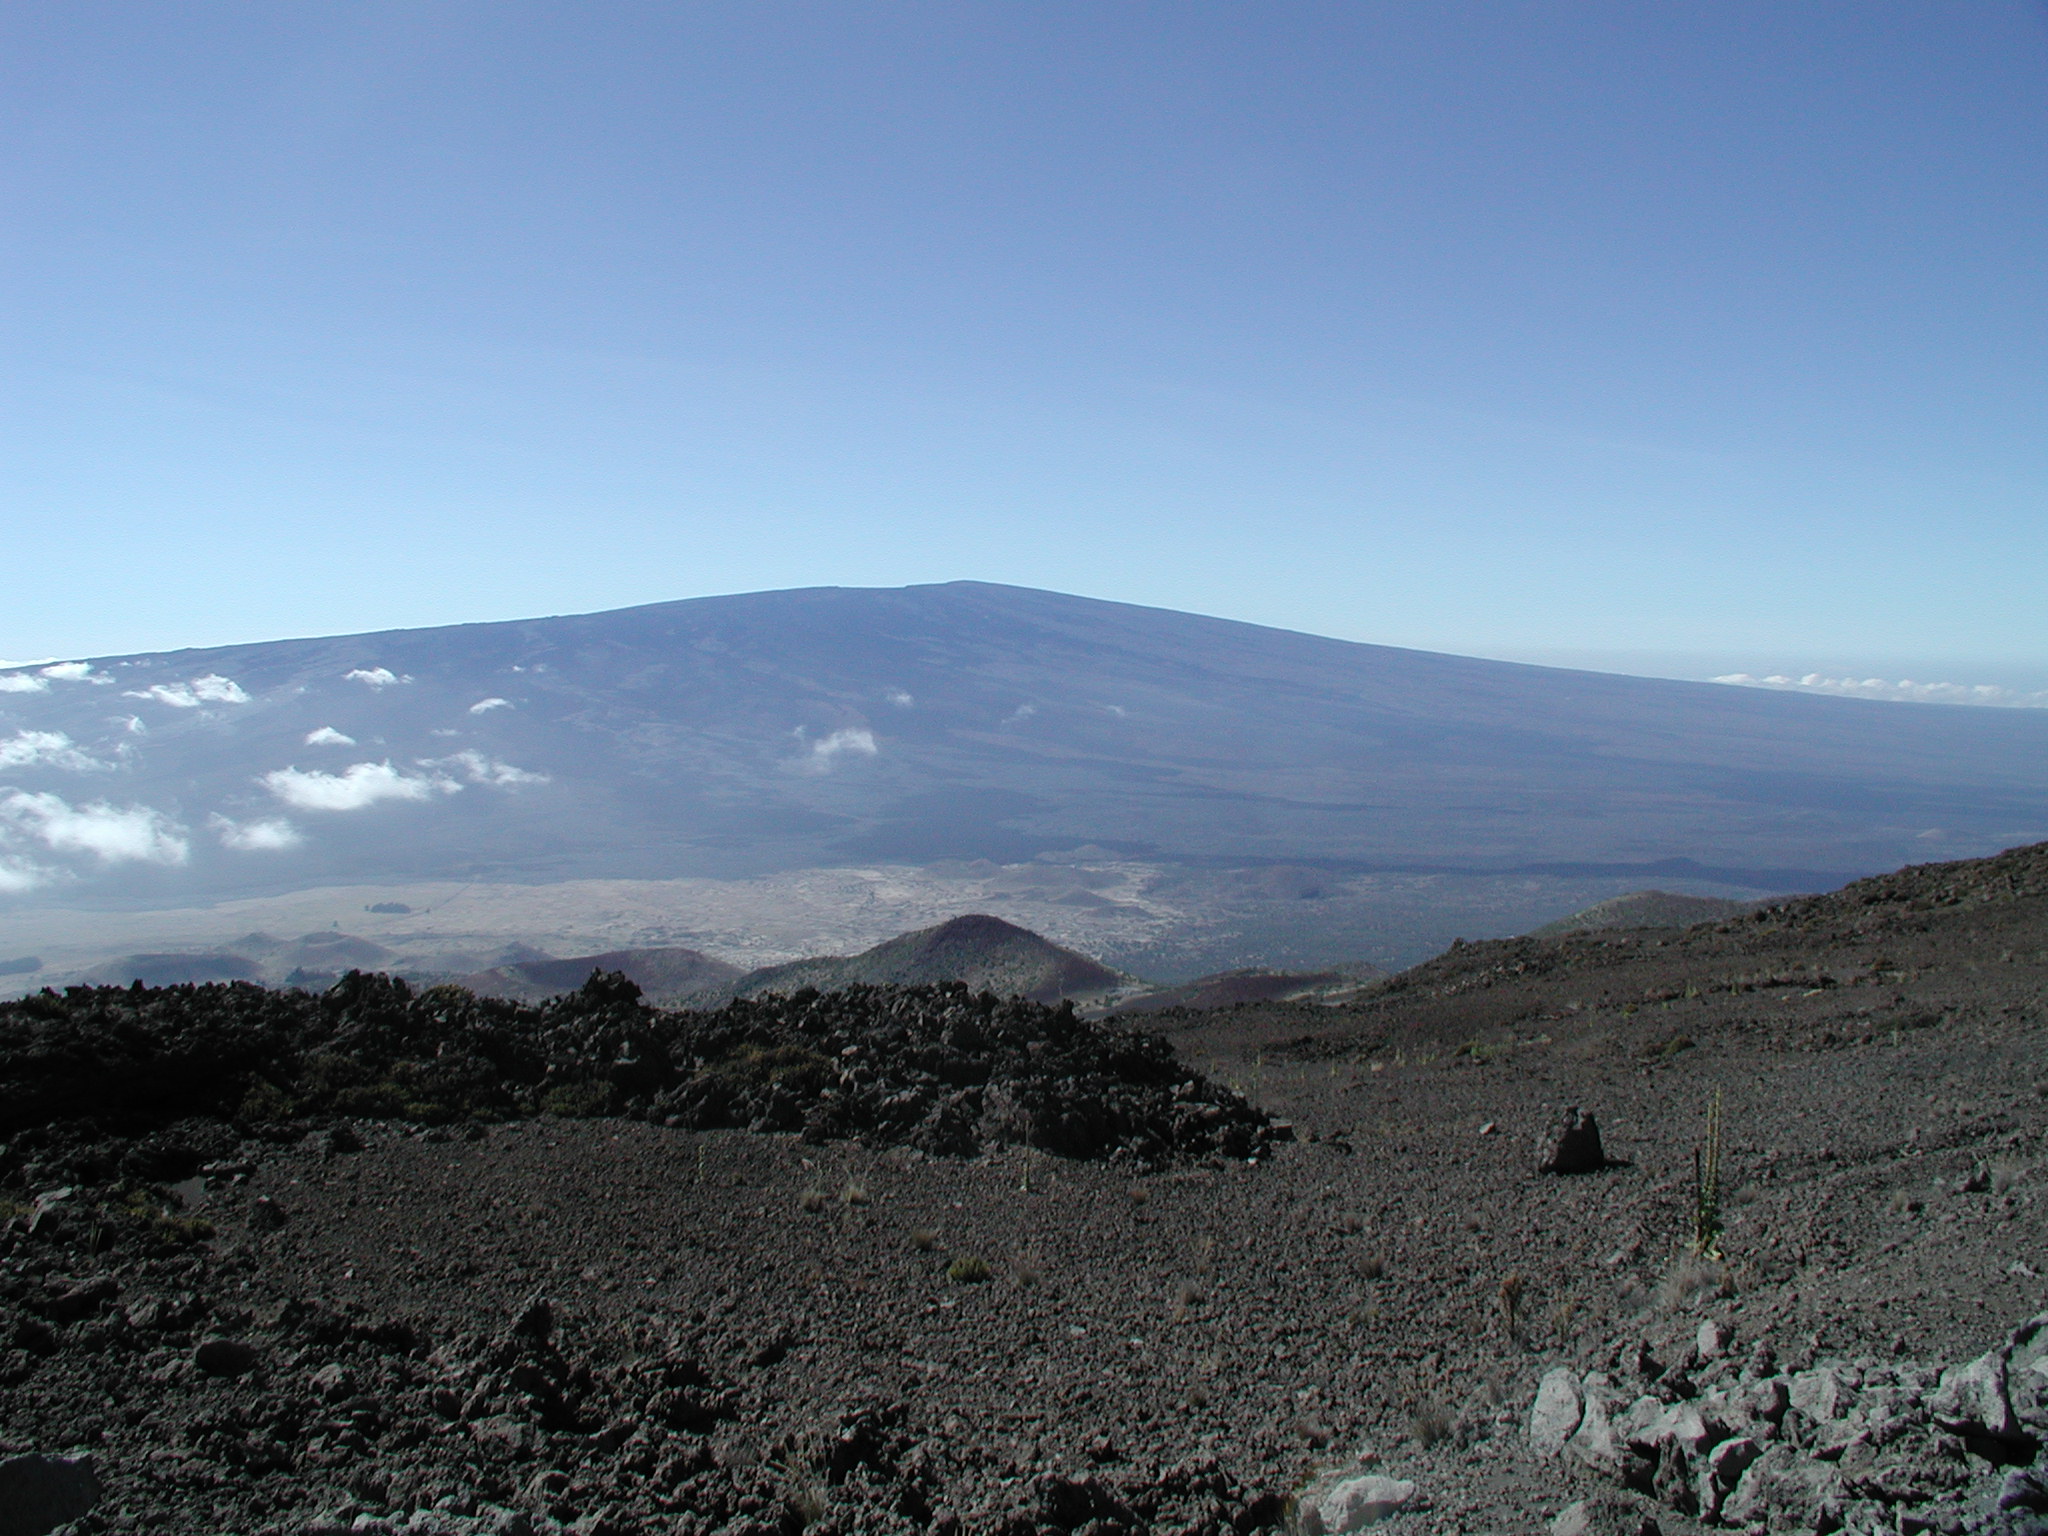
(1856, 1445)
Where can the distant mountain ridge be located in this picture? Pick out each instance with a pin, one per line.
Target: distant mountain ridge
(832, 726)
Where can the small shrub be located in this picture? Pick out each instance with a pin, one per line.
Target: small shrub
(1430, 1423)
(812, 1199)
(967, 1270)
(923, 1239)
(265, 1101)
(855, 1193)
(1028, 1268)
(577, 1101)
(1511, 1290)
(1372, 1266)
(1690, 1278)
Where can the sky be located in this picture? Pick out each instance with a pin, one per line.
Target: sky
(1692, 337)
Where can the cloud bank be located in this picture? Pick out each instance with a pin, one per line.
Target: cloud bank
(22, 682)
(353, 789)
(1905, 690)
(135, 835)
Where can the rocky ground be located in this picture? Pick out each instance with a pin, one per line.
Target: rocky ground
(612, 1323)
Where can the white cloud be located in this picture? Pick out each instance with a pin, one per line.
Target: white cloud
(45, 749)
(74, 672)
(853, 741)
(356, 786)
(900, 698)
(255, 836)
(485, 706)
(1020, 714)
(479, 769)
(137, 834)
(210, 689)
(132, 724)
(328, 736)
(21, 682)
(1905, 690)
(374, 677)
(16, 877)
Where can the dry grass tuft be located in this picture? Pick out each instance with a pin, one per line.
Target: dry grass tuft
(812, 1199)
(923, 1239)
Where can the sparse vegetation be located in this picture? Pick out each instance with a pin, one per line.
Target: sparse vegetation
(967, 1270)
(923, 1239)
(1511, 1289)
(1706, 1178)
(812, 1199)
(853, 1193)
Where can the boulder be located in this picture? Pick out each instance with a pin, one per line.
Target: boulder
(1595, 1441)
(1342, 1504)
(225, 1357)
(40, 1493)
(1722, 1470)
(1788, 1490)
(1973, 1401)
(1819, 1395)
(1576, 1148)
(1556, 1413)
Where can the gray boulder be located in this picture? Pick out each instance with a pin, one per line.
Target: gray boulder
(1556, 1413)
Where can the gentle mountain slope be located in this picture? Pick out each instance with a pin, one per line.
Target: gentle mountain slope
(1228, 989)
(791, 730)
(1645, 909)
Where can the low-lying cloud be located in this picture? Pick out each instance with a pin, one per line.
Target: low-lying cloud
(22, 682)
(328, 736)
(850, 742)
(479, 769)
(374, 677)
(136, 834)
(270, 836)
(210, 689)
(355, 788)
(17, 876)
(1905, 690)
(46, 749)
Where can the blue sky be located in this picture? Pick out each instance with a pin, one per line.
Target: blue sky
(1573, 331)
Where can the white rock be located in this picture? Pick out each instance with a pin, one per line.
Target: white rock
(1556, 1413)
(1594, 1442)
(1352, 1503)
(1712, 1340)
(1972, 1399)
(1819, 1394)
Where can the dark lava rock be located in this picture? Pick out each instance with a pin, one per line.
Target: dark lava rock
(225, 1357)
(1577, 1147)
(940, 1068)
(40, 1493)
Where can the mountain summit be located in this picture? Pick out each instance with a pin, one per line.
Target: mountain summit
(838, 726)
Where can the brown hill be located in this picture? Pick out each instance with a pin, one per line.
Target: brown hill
(985, 952)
